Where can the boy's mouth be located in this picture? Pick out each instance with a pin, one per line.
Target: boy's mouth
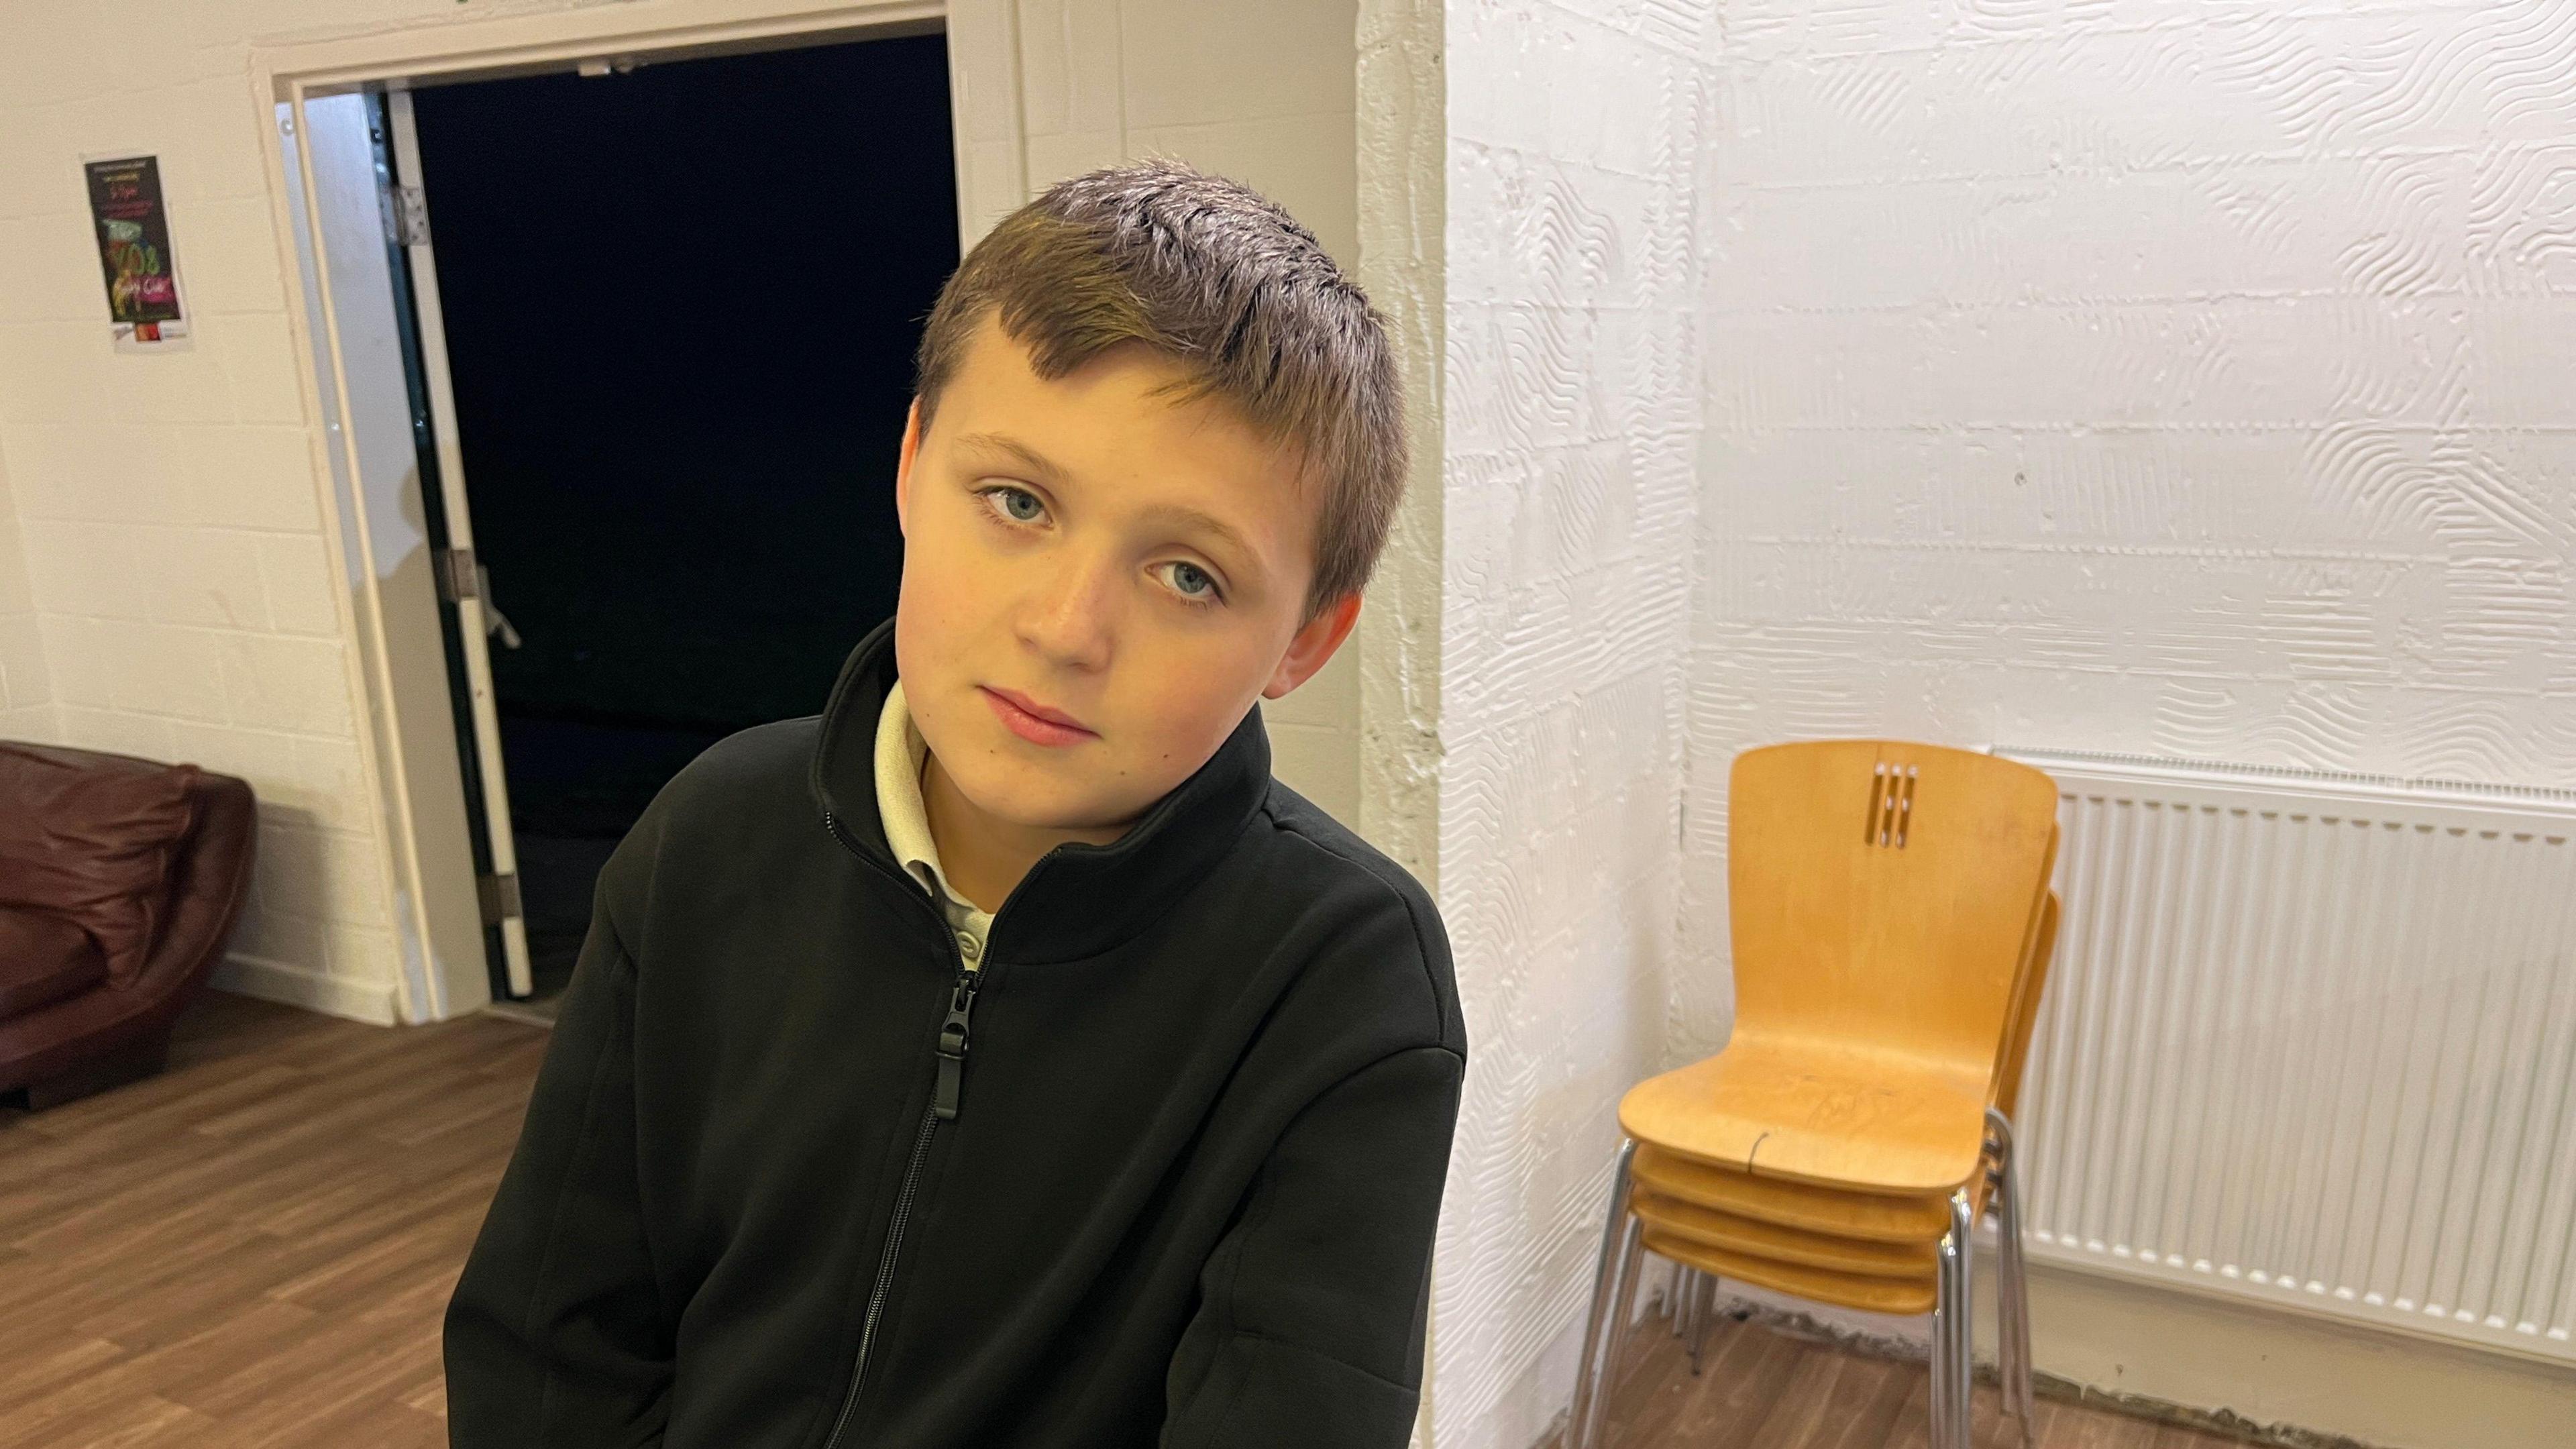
(1034, 721)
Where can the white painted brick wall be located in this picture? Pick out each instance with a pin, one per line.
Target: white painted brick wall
(2159, 377)
(2195, 376)
(174, 568)
(1570, 479)
(2147, 376)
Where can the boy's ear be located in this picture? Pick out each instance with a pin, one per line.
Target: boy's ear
(903, 465)
(1313, 646)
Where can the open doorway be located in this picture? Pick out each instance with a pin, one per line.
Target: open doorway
(680, 305)
(655, 324)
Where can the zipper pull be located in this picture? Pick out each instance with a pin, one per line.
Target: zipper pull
(952, 1047)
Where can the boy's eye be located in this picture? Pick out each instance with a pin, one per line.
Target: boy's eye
(1205, 593)
(1009, 493)
(1181, 567)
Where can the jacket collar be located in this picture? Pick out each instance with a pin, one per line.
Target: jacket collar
(1079, 899)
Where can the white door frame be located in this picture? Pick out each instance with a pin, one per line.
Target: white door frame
(990, 148)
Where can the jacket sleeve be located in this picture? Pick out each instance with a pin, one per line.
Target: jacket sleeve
(556, 1333)
(1309, 1330)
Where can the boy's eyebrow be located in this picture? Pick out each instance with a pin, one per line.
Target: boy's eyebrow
(1176, 514)
(1030, 458)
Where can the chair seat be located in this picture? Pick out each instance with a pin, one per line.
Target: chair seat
(1819, 1285)
(1875, 1217)
(44, 958)
(1726, 1231)
(1825, 1112)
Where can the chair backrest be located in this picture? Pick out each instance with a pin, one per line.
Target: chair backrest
(1886, 892)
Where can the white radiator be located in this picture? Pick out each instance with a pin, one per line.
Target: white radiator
(2310, 1041)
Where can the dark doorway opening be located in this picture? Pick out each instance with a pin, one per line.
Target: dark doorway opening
(681, 304)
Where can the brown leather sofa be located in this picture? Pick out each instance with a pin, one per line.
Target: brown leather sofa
(120, 878)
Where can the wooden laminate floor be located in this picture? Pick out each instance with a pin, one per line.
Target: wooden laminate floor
(254, 1249)
(1758, 1389)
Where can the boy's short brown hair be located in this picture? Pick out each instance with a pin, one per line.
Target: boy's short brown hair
(1223, 279)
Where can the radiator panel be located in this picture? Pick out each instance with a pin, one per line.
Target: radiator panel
(2310, 1041)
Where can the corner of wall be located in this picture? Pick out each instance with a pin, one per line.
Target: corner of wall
(1402, 184)
(1573, 164)
(1400, 141)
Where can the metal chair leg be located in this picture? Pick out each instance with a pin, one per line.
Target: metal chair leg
(1677, 1305)
(1623, 1308)
(1613, 1264)
(2003, 1305)
(1945, 1321)
(1998, 1146)
(1703, 1304)
(1962, 1400)
(2025, 1403)
(2013, 1284)
(1620, 1268)
(2011, 1306)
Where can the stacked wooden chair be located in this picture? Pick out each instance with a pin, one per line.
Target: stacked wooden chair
(1892, 926)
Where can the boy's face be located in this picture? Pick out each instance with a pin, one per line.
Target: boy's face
(1044, 556)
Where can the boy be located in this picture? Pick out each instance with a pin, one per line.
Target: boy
(1001, 1057)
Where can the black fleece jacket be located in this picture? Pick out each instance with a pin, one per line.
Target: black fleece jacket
(1203, 1090)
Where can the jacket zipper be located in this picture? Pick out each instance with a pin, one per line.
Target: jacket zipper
(950, 1048)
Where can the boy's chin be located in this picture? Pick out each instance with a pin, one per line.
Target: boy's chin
(1075, 810)
(1041, 794)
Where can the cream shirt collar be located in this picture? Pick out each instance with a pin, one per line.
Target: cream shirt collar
(901, 752)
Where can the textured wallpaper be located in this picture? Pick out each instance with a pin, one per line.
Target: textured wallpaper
(2179, 379)
(1573, 380)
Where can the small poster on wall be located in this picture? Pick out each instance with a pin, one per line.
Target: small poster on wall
(134, 250)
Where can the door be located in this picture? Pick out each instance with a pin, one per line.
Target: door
(464, 587)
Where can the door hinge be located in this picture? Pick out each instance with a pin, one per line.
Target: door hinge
(457, 580)
(411, 216)
(500, 897)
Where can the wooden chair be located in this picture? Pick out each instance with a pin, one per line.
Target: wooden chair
(1829, 1221)
(1857, 1250)
(1889, 903)
(1855, 1230)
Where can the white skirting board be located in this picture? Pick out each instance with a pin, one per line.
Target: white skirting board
(295, 986)
(2294, 1379)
